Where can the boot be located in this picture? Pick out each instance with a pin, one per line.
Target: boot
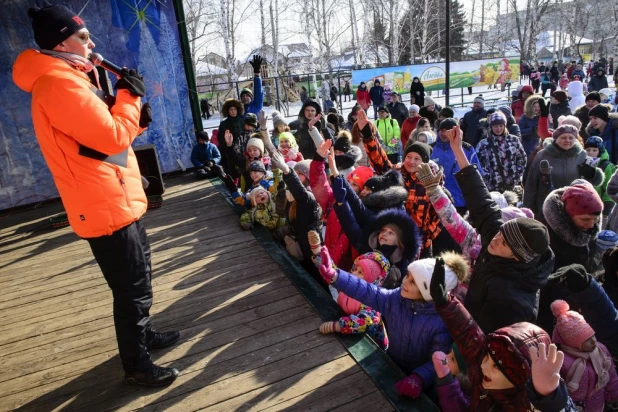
(162, 340)
(153, 376)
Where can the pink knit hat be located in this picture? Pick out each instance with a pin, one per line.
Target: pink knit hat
(582, 199)
(571, 328)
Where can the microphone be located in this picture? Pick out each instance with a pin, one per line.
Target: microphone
(98, 60)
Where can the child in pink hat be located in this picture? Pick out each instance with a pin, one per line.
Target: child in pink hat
(588, 368)
(372, 267)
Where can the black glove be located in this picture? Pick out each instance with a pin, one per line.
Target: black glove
(575, 275)
(544, 108)
(586, 171)
(132, 81)
(256, 63)
(437, 288)
(145, 116)
(610, 264)
(366, 132)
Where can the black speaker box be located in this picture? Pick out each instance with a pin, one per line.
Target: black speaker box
(148, 162)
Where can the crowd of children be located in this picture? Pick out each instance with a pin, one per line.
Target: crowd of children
(424, 241)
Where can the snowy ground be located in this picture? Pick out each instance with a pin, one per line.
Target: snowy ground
(461, 104)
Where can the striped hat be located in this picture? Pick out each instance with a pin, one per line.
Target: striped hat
(527, 238)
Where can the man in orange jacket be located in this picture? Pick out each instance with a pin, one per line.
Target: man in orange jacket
(87, 147)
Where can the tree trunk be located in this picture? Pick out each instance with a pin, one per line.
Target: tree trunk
(225, 29)
(354, 31)
(263, 21)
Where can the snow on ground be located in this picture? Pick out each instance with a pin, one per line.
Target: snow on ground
(461, 104)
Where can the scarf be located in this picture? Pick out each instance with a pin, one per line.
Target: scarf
(600, 363)
(78, 62)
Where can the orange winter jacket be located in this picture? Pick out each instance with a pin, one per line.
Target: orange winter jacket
(99, 197)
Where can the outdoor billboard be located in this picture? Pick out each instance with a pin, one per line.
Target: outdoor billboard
(432, 75)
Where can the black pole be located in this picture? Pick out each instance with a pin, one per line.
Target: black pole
(188, 64)
(447, 51)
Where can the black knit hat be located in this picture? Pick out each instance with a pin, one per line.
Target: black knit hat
(53, 24)
(383, 109)
(423, 150)
(343, 144)
(527, 238)
(560, 95)
(448, 123)
(383, 182)
(446, 112)
(601, 111)
(256, 166)
(594, 96)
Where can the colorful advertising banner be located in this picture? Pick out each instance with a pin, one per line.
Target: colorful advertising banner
(432, 75)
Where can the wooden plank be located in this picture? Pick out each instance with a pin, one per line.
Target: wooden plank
(374, 401)
(225, 266)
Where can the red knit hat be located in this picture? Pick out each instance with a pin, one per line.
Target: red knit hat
(509, 348)
(582, 199)
(360, 175)
(571, 328)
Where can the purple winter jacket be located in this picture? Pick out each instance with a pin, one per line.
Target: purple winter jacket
(414, 328)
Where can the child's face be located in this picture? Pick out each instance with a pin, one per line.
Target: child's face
(284, 145)
(422, 138)
(354, 186)
(452, 363)
(232, 112)
(493, 378)
(248, 127)
(387, 237)
(358, 272)
(536, 109)
(412, 161)
(261, 197)
(253, 152)
(592, 151)
(425, 128)
(366, 191)
(409, 290)
(256, 176)
(281, 128)
(589, 344)
(382, 114)
(498, 247)
(553, 100)
(339, 153)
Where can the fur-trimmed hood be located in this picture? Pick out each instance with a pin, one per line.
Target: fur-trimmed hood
(560, 222)
(232, 103)
(384, 199)
(411, 241)
(528, 105)
(347, 160)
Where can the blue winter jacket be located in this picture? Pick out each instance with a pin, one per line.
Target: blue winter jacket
(415, 329)
(204, 153)
(258, 97)
(444, 156)
(529, 139)
(609, 136)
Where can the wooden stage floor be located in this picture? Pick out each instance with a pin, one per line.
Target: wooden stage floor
(249, 341)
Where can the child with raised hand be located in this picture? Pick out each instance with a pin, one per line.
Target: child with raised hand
(302, 211)
(509, 369)
(372, 268)
(415, 330)
(588, 367)
(262, 210)
(289, 148)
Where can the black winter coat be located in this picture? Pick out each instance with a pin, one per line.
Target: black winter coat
(431, 115)
(571, 245)
(300, 128)
(469, 125)
(419, 99)
(308, 212)
(557, 110)
(375, 94)
(399, 112)
(501, 291)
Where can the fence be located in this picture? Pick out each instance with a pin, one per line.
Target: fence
(278, 91)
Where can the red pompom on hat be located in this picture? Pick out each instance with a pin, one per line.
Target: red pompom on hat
(582, 199)
(571, 328)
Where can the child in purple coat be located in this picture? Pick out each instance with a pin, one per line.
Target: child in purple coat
(588, 368)
(415, 329)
